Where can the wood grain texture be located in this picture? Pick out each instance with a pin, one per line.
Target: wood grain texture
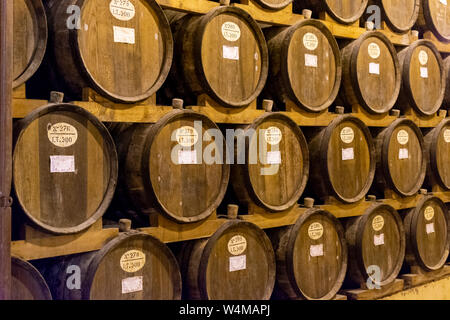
(122, 68)
(447, 88)
(303, 271)
(341, 167)
(273, 4)
(70, 200)
(276, 186)
(232, 70)
(427, 236)
(206, 264)
(399, 15)
(313, 85)
(103, 272)
(346, 12)
(30, 39)
(372, 243)
(423, 78)
(437, 143)
(27, 282)
(371, 78)
(435, 16)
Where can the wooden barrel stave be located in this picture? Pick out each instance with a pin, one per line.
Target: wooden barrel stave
(437, 144)
(346, 12)
(26, 282)
(447, 88)
(274, 4)
(434, 16)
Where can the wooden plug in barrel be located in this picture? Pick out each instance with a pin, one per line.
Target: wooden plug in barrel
(447, 87)
(423, 78)
(437, 143)
(305, 65)
(401, 158)
(346, 12)
(30, 39)
(276, 163)
(435, 16)
(121, 49)
(273, 4)
(371, 73)
(26, 282)
(311, 256)
(427, 236)
(342, 160)
(175, 167)
(236, 263)
(64, 168)
(376, 244)
(222, 54)
(132, 266)
(400, 16)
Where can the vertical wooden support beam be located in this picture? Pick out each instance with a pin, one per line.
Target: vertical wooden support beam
(6, 62)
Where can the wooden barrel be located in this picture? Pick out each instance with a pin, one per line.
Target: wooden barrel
(132, 266)
(400, 15)
(371, 73)
(427, 236)
(275, 165)
(223, 54)
(342, 160)
(311, 256)
(30, 39)
(423, 78)
(435, 16)
(274, 4)
(401, 158)
(26, 282)
(437, 144)
(376, 244)
(175, 167)
(236, 263)
(447, 75)
(345, 12)
(305, 65)
(64, 168)
(121, 49)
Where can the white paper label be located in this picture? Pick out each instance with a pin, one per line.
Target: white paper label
(347, 135)
(231, 31)
(231, 53)
(374, 50)
(62, 164)
(430, 228)
(444, 2)
(310, 60)
(310, 41)
(447, 135)
(124, 35)
(273, 157)
(316, 250)
(122, 9)
(403, 137)
(423, 57)
(378, 240)
(374, 68)
(238, 263)
(273, 136)
(186, 136)
(62, 134)
(348, 154)
(133, 284)
(424, 72)
(187, 157)
(403, 154)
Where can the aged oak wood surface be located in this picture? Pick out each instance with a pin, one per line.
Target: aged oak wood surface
(27, 282)
(435, 16)
(345, 12)
(399, 15)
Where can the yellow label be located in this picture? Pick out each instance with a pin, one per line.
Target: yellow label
(231, 31)
(187, 136)
(428, 213)
(447, 135)
(374, 50)
(378, 223)
(122, 9)
(423, 57)
(62, 134)
(132, 261)
(310, 41)
(402, 137)
(347, 135)
(237, 245)
(273, 135)
(315, 230)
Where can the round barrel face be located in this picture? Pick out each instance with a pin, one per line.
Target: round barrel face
(425, 79)
(349, 161)
(62, 168)
(440, 17)
(185, 176)
(443, 154)
(312, 67)
(405, 159)
(27, 283)
(240, 265)
(231, 58)
(376, 74)
(346, 10)
(318, 259)
(274, 4)
(138, 268)
(277, 168)
(402, 14)
(128, 60)
(431, 233)
(381, 244)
